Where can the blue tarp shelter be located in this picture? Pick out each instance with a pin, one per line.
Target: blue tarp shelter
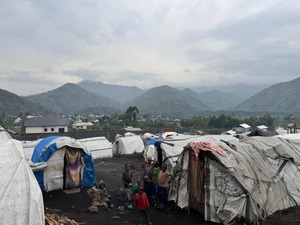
(153, 140)
(52, 150)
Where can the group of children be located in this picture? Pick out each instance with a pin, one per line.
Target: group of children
(152, 188)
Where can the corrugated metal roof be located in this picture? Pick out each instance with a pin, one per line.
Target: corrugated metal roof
(244, 125)
(262, 127)
(50, 120)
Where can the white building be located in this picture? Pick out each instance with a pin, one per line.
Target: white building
(79, 125)
(262, 128)
(242, 128)
(47, 124)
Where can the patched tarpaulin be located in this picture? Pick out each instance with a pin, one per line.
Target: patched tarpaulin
(257, 177)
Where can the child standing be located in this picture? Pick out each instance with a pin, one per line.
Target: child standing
(150, 190)
(162, 188)
(141, 203)
(149, 168)
(127, 181)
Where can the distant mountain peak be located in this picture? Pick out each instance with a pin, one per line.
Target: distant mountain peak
(94, 97)
(281, 98)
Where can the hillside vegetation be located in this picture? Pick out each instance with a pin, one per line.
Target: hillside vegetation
(89, 97)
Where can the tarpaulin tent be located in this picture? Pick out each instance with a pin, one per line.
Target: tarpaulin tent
(150, 150)
(28, 148)
(69, 164)
(21, 199)
(128, 145)
(168, 151)
(238, 182)
(4, 134)
(99, 147)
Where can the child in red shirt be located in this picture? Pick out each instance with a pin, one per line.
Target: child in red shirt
(141, 203)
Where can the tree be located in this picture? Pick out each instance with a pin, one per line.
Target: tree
(131, 114)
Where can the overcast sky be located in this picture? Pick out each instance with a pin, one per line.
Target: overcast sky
(45, 44)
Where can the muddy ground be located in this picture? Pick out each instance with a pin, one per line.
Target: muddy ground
(74, 206)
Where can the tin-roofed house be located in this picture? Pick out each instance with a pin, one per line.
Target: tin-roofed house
(262, 128)
(242, 128)
(47, 124)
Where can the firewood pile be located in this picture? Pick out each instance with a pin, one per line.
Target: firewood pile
(54, 219)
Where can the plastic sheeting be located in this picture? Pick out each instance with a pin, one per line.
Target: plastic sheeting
(28, 148)
(41, 146)
(4, 134)
(21, 200)
(128, 145)
(171, 149)
(257, 177)
(53, 153)
(99, 147)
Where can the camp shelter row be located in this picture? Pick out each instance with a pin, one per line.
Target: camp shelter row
(234, 181)
(52, 159)
(228, 180)
(21, 190)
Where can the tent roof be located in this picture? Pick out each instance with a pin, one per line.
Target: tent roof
(21, 198)
(244, 177)
(42, 151)
(40, 147)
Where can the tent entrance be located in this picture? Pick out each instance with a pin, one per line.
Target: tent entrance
(196, 181)
(73, 167)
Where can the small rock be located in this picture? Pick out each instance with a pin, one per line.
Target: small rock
(116, 217)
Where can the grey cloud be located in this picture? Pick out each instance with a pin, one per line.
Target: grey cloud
(87, 74)
(259, 45)
(139, 79)
(187, 71)
(27, 82)
(133, 22)
(162, 11)
(31, 77)
(47, 37)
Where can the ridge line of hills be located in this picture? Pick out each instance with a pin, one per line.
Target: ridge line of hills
(88, 97)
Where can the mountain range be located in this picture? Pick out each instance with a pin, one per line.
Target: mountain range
(89, 97)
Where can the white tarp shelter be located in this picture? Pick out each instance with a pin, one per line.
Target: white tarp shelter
(28, 148)
(236, 182)
(129, 134)
(4, 134)
(128, 145)
(21, 199)
(99, 147)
